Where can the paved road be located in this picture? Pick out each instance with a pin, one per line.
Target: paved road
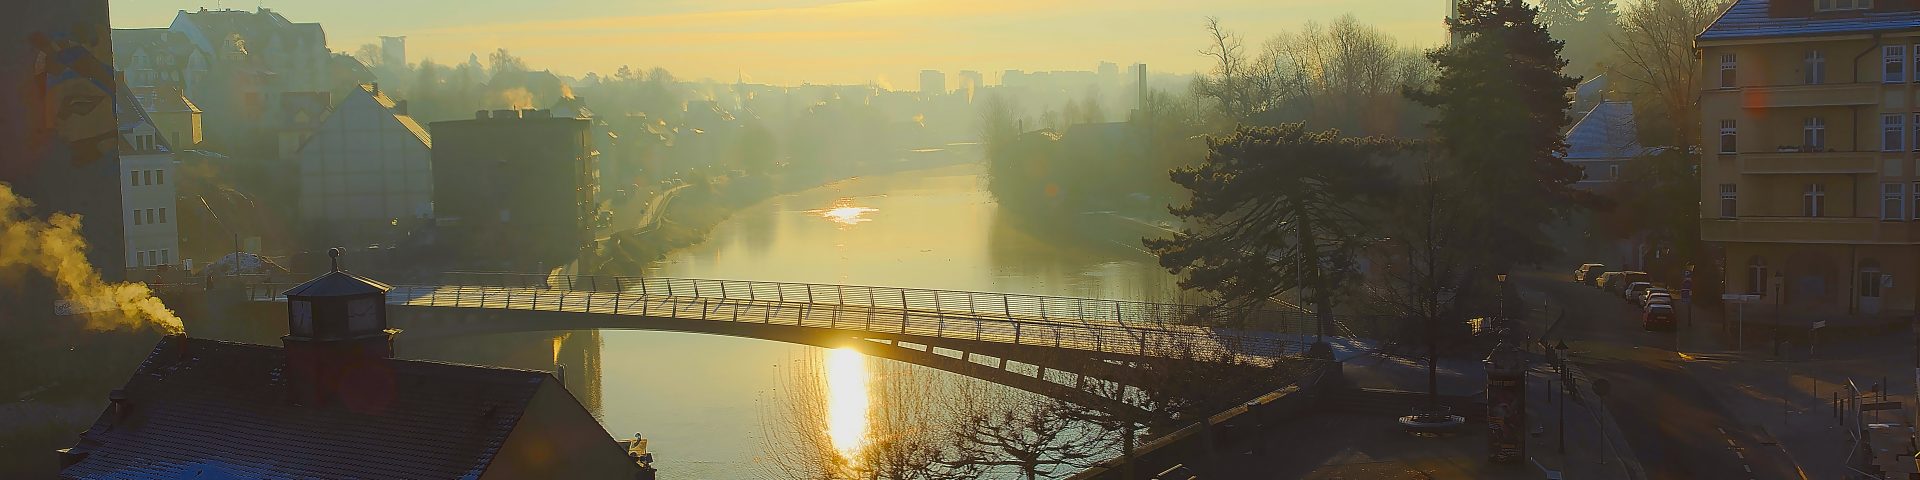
(1668, 415)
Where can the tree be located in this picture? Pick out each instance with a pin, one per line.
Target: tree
(1427, 270)
(1229, 86)
(1501, 102)
(1274, 210)
(503, 61)
(1032, 435)
(1345, 75)
(368, 54)
(1657, 68)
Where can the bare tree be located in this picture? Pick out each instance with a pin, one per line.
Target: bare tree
(1346, 75)
(999, 429)
(1228, 86)
(1656, 67)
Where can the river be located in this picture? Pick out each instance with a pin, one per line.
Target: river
(699, 398)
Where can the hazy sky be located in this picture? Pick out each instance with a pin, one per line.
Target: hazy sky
(818, 41)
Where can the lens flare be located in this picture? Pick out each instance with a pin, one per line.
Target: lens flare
(847, 400)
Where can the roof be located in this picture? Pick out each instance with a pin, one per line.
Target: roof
(1750, 19)
(405, 119)
(131, 116)
(338, 283)
(203, 408)
(313, 104)
(1593, 89)
(164, 100)
(1608, 131)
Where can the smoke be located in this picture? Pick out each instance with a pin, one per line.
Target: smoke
(55, 249)
(516, 98)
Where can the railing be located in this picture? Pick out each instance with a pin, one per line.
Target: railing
(1106, 326)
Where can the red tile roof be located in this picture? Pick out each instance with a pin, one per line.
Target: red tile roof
(202, 408)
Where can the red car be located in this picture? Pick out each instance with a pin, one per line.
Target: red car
(1658, 316)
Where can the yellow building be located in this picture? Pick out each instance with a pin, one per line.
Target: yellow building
(1810, 115)
(173, 114)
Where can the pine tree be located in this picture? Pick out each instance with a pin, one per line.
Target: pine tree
(1502, 101)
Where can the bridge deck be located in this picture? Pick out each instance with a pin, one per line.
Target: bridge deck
(1111, 328)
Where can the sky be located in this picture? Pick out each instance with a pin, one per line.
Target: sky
(788, 42)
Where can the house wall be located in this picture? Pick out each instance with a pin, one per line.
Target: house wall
(147, 190)
(557, 438)
(362, 172)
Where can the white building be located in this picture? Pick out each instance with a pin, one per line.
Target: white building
(367, 173)
(147, 197)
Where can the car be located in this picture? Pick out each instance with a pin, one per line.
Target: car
(1657, 316)
(1656, 298)
(1641, 299)
(1633, 289)
(1631, 276)
(1609, 281)
(1588, 273)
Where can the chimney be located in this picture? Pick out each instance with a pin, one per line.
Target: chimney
(1141, 68)
(400, 107)
(121, 406)
(375, 87)
(481, 115)
(506, 113)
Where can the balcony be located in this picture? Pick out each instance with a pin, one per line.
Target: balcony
(1839, 230)
(1823, 95)
(1793, 162)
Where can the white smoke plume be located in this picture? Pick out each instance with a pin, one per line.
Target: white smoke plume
(54, 248)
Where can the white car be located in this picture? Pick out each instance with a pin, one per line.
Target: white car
(1657, 298)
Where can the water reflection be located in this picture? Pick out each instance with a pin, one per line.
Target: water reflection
(845, 213)
(847, 400)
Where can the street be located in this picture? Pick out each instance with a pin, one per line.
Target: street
(1667, 412)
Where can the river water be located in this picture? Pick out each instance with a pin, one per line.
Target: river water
(700, 399)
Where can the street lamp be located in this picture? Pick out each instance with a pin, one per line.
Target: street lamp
(1560, 359)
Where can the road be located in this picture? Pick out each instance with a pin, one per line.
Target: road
(1667, 412)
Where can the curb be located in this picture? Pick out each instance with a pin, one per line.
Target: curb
(1616, 440)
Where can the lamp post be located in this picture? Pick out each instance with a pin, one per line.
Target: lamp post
(1560, 359)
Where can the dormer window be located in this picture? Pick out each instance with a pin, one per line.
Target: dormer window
(1841, 5)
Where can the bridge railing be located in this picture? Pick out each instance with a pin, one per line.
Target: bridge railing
(1011, 305)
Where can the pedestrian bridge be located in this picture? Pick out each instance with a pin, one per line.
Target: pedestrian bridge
(1056, 346)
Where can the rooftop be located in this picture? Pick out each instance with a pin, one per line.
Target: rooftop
(1752, 19)
(1608, 131)
(200, 408)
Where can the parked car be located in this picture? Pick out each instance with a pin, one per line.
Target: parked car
(1648, 293)
(1656, 298)
(1633, 276)
(1658, 316)
(1632, 292)
(1588, 273)
(1610, 281)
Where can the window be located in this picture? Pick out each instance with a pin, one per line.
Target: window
(1893, 198)
(1757, 276)
(1916, 132)
(1613, 172)
(1727, 65)
(160, 177)
(1815, 137)
(136, 216)
(1729, 198)
(1816, 67)
(139, 259)
(149, 215)
(146, 177)
(133, 178)
(163, 215)
(1815, 199)
(1726, 136)
(1915, 200)
(165, 257)
(1894, 58)
(1893, 130)
(1870, 281)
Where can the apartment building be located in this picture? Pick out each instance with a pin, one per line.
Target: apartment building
(1810, 115)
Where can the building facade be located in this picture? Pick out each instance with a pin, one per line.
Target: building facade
(250, 59)
(147, 197)
(1809, 111)
(516, 187)
(366, 172)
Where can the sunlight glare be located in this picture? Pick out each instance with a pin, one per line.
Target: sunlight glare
(846, 400)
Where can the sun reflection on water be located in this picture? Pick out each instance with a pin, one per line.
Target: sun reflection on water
(845, 213)
(847, 400)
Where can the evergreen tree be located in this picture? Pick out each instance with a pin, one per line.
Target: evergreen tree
(1502, 101)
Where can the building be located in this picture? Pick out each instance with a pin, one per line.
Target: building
(332, 402)
(251, 59)
(147, 199)
(393, 50)
(299, 117)
(515, 186)
(158, 57)
(933, 82)
(61, 134)
(366, 173)
(1602, 142)
(1808, 174)
(970, 81)
(177, 117)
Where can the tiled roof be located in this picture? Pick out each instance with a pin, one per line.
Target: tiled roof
(1749, 19)
(1608, 131)
(209, 409)
(127, 111)
(405, 119)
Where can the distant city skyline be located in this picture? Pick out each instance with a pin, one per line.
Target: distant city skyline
(789, 42)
